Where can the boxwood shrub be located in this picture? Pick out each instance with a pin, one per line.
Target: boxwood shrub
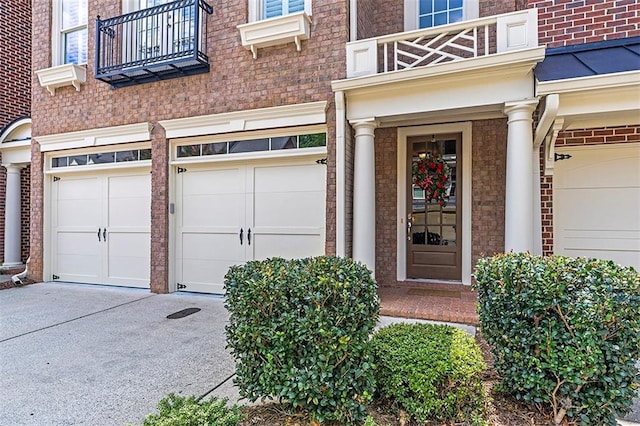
(432, 371)
(188, 411)
(299, 332)
(564, 332)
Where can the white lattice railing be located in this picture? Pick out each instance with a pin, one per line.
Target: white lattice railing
(443, 44)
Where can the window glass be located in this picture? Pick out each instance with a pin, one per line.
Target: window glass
(189, 151)
(287, 142)
(214, 148)
(439, 12)
(253, 145)
(273, 8)
(145, 154)
(249, 146)
(73, 31)
(101, 158)
(310, 141)
(123, 156)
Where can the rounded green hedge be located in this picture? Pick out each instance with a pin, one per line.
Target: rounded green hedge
(565, 332)
(299, 332)
(188, 411)
(432, 371)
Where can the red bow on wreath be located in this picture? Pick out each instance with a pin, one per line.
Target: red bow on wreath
(431, 173)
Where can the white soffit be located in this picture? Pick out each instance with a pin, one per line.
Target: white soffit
(95, 137)
(597, 101)
(255, 119)
(15, 142)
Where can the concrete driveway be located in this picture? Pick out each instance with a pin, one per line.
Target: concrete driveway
(75, 354)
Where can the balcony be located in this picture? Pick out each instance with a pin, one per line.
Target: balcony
(157, 43)
(447, 44)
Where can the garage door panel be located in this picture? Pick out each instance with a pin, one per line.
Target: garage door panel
(77, 256)
(293, 209)
(289, 178)
(597, 203)
(205, 275)
(212, 182)
(213, 210)
(212, 247)
(287, 246)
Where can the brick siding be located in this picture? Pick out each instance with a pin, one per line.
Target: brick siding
(15, 73)
(36, 216)
(606, 135)
(280, 76)
(567, 22)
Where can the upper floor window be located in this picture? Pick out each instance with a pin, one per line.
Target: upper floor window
(70, 23)
(264, 9)
(431, 13)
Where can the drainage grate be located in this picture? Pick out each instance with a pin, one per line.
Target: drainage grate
(183, 313)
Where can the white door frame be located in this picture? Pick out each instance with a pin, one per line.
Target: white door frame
(402, 175)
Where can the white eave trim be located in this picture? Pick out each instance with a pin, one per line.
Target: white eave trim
(255, 119)
(95, 137)
(604, 81)
(525, 58)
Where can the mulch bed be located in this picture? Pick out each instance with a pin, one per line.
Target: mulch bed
(10, 284)
(502, 410)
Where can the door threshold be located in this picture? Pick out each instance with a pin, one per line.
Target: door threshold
(432, 281)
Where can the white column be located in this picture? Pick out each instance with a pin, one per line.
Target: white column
(519, 226)
(12, 226)
(364, 194)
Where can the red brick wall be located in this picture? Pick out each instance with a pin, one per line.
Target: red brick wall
(568, 22)
(607, 135)
(35, 214)
(280, 76)
(15, 72)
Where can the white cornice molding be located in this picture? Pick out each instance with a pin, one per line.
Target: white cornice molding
(604, 81)
(255, 119)
(525, 58)
(95, 137)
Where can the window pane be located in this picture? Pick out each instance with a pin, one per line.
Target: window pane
(214, 148)
(145, 154)
(101, 158)
(59, 162)
(426, 6)
(78, 160)
(440, 5)
(287, 142)
(74, 13)
(440, 19)
(189, 151)
(455, 4)
(455, 16)
(75, 47)
(309, 141)
(126, 156)
(249, 146)
(426, 21)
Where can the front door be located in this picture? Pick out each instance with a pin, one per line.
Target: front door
(434, 207)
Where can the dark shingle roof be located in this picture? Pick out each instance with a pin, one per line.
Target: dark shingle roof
(588, 59)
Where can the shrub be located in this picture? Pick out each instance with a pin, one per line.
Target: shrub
(564, 332)
(432, 371)
(299, 332)
(187, 411)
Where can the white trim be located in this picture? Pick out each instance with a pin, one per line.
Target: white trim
(293, 27)
(16, 152)
(247, 156)
(95, 137)
(256, 119)
(353, 20)
(605, 81)
(340, 174)
(57, 48)
(48, 170)
(403, 132)
(470, 8)
(62, 75)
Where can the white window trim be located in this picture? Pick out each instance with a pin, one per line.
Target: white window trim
(471, 10)
(255, 10)
(57, 49)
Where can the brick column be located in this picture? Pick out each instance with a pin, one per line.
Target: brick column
(36, 214)
(159, 211)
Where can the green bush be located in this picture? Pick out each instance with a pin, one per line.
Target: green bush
(564, 332)
(299, 332)
(432, 371)
(187, 411)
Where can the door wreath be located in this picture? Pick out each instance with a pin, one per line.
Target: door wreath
(432, 174)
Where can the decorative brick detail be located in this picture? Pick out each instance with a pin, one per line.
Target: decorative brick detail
(564, 23)
(36, 216)
(578, 137)
(159, 211)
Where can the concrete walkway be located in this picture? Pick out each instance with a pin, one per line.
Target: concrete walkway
(73, 354)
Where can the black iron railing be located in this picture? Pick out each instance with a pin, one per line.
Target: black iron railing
(158, 43)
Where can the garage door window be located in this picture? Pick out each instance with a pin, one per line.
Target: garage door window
(101, 158)
(253, 145)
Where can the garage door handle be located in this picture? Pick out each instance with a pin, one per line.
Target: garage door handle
(104, 234)
(249, 237)
(99, 229)
(241, 232)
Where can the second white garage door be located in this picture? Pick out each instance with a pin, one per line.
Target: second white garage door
(596, 203)
(227, 215)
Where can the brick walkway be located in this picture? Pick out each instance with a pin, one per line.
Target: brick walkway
(438, 302)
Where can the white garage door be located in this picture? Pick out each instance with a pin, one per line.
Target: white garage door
(101, 228)
(596, 203)
(227, 215)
